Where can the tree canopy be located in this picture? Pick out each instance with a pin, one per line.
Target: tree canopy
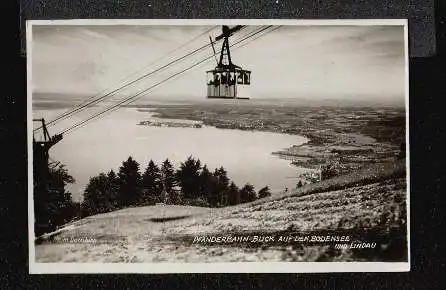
(192, 183)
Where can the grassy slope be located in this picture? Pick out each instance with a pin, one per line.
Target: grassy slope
(372, 198)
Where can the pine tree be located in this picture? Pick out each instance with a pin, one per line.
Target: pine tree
(129, 183)
(207, 183)
(233, 194)
(101, 194)
(95, 195)
(188, 177)
(264, 192)
(247, 193)
(222, 178)
(151, 184)
(60, 199)
(168, 181)
(53, 205)
(222, 186)
(112, 190)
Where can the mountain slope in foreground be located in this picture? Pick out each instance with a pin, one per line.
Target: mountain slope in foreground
(368, 206)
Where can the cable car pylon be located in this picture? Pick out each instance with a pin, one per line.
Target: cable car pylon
(222, 82)
(41, 154)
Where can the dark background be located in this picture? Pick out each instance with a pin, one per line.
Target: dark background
(419, 12)
(427, 134)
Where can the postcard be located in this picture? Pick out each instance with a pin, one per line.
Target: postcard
(218, 146)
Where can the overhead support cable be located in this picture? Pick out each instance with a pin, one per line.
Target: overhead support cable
(98, 98)
(133, 98)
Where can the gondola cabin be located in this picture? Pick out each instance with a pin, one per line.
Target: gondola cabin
(227, 80)
(225, 84)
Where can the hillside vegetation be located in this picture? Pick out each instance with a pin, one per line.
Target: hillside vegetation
(368, 205)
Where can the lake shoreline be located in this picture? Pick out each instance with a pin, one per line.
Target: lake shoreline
(103, 146)
(162, 121)
(353, 140)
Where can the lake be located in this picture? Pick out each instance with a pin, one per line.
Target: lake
(103, 145)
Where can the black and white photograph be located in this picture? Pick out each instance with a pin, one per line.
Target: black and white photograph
(173, 146)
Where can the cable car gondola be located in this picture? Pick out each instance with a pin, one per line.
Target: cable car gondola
(223, 81)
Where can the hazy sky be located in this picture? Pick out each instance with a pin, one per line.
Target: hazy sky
(352, 62)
